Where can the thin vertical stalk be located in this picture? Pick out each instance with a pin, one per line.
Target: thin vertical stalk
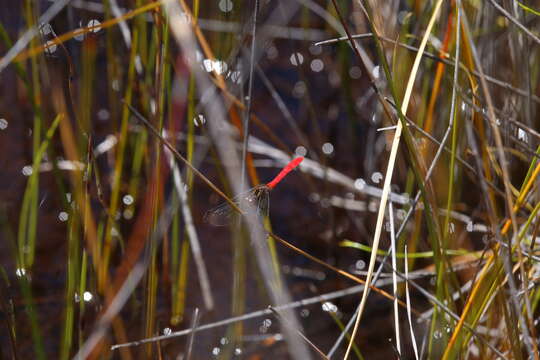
(159, 36)
(82, 289)
(29, 233)
(394, 276)
(104, 258)
(181, 267)
(408, 300)
(390, 170)
(247, 112)
(73, 276)
(239, 259)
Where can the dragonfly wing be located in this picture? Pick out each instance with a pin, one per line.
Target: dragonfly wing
(263, 203)
(224, 214)
(221, 215)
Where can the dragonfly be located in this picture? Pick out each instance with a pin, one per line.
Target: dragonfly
(257, 197)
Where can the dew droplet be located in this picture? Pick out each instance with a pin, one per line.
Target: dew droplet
(522, 135)
(329, 307)
(376, 72)
(237, 351)
(87, 296)
(216, 351)
(167, 331)
(360, 264)
(20, 272)
(376, 177)
(115, 84)
(297, 59)
(95, 25)
(3, 124)
(199, 120)
(327, 148)
(236, 76)
(127, 199)
(437, 334)
(224, 341)
(316, 65)
(314, 197)
(226, 5)
(359, 183)
(300, 151)
(45, 29)
(114, 232)
(355, 72)
(128, 214)
(208, 65)
(103, 114)
(267, 323)
(50, 47)
(153, 106)
(304, 313)
(63, 216)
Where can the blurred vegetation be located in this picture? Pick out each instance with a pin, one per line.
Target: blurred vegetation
(114, 122)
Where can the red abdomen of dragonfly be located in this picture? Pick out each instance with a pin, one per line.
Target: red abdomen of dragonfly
(257, 197)
(287, 169)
